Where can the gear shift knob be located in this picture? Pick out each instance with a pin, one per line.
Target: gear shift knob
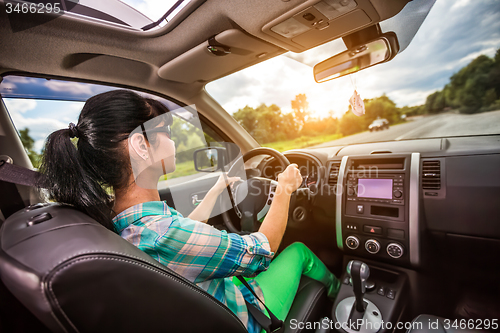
(364, 273)
(358, 272)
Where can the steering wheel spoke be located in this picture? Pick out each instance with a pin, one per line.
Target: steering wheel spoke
(270, 196)
(253, 200)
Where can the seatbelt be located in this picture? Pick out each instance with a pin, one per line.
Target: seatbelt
(10, 199)
(270, 325)
(16, 174)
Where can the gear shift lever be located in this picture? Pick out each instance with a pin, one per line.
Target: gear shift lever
(358, 273)
(360, 315)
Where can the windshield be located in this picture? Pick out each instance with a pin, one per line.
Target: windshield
(445, 83)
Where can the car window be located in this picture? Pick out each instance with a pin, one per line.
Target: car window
(38, 107)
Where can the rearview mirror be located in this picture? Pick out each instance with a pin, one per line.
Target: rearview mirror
(209, 159)
(379, 50)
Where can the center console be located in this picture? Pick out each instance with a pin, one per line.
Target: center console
(377, 218)
(371, 299)
(377, 207)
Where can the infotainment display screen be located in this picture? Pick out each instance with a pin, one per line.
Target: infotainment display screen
(375, 188)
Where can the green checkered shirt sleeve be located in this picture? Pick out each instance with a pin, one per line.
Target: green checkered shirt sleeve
(201, 252)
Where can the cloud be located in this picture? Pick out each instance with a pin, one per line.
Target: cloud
(17, 106)
(74, 88)
(42, 117)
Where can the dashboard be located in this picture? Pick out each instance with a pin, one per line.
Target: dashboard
(385, 199)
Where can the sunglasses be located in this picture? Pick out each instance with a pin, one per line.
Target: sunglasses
(163, 129)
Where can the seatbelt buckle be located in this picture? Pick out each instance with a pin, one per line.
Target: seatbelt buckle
(277, 329)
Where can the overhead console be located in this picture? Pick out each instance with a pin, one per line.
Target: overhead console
(316, 22)
(377, 207)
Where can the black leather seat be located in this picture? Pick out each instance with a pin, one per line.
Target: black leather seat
(425, 323)
(75, 275)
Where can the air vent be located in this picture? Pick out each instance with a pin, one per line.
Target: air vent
(334, 174)
(431, 175)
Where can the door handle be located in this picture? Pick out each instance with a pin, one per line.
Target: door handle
(194, 200)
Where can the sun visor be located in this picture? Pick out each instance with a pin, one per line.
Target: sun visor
(201, 64)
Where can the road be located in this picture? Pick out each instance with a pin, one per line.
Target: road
(446, 124)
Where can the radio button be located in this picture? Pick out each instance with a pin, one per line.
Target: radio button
(372, 246)
(352, 242)
(395, 250)
(360, 209)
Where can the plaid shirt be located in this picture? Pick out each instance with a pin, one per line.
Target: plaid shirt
(204, 255)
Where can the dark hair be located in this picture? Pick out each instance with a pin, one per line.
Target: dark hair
(78, 175)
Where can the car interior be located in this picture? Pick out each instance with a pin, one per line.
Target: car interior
(417, 246)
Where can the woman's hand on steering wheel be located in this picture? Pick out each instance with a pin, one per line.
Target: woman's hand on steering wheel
(223, 182)
(290, 179)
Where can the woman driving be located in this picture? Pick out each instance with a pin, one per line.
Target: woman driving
(111, 174)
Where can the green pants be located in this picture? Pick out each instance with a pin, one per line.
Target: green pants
(280, 282)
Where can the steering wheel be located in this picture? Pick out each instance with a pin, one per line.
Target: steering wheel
(259, 194)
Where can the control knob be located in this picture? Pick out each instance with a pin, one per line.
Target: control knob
(395, 250)
(372, 246)
(352, 242)
(398, 194)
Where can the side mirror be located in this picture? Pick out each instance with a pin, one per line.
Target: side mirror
(376, 51)
(209, 159)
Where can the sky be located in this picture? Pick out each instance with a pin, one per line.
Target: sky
(454, 33)
(154, 9)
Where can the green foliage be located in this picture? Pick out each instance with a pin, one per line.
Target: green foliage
(302, 142)
(300, 107)
(29, 144)
(379, 107)
(435, 102)
(409, 111)
(187, 138)
(472, 89)
(267, 123)
(350, 124)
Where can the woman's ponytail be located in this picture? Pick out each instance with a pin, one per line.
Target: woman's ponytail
(69, 182)
(84, 175)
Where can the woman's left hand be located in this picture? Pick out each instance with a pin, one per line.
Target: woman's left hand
(221, 184)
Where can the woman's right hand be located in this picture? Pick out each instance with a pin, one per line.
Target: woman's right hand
(290, 179)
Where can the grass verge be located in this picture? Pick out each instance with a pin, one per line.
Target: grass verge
(302, 142)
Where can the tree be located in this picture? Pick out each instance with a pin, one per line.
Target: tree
(379, 107)
(470, 84)
(267, 123)
(247, 117)
(300, 107)
(29, 145)
(350, 123)
(489, 97)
